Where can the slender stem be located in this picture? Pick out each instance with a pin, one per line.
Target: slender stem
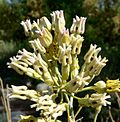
(68, 110)
(71, 107)
(118, 98)
(61, 97)
(86, 89)
(73, 96)
(97, 112)
(78, 111)
(111, 117)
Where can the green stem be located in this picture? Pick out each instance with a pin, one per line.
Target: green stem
(86, 89)
(78, 111)
(68, 110)
(97, 112)
(71, 107)
(73, 96)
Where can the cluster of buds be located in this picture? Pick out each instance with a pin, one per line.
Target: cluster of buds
(54, 61)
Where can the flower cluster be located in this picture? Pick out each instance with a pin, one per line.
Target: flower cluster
(54, 61)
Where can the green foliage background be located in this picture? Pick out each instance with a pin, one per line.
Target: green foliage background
(102, 28)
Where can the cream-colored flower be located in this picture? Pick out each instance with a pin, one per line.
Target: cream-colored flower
(65, 54)
(95, 66)
(78, 25)
(27, 26)
(76, 83)
(37, 46)
(22, 92)
(58, 21)
(92, 52)
(48, 107)
(95, 100)
(76, 42)
(99, 99)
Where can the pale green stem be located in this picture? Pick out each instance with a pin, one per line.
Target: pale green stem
(68, 110)
(71, 107)
(61, 98)
(78, 111)
(72, 96)
(96, 113)
(86, 89)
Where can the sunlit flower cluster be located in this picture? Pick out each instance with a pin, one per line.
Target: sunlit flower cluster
(54, 61)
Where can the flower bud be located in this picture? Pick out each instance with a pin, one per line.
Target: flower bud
(45, 37)
(100, 87)
(64, 38)
(44, 22)
(74, 67)
(65, 72)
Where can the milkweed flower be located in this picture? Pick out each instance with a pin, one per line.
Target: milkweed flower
(76, 42)
(54, 60)
(58, 21)
(95, 100)
(78, 25)
(27, 27)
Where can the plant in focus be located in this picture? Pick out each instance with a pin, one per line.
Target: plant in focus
(54, 60)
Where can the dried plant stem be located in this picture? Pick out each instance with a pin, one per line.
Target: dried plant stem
(5, 101)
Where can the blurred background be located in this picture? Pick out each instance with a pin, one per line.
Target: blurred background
(102, 28)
